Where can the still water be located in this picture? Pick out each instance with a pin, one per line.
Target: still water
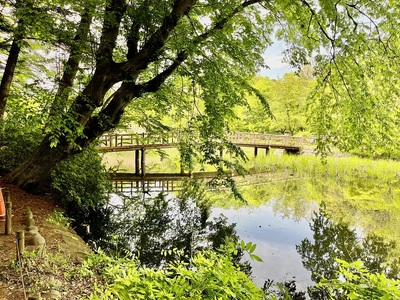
(359, 221)
(299, 226)
(276, 237)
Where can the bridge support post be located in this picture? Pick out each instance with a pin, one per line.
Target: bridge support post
(267, 150)
(143, 162)
(255, 151)
(137, 154)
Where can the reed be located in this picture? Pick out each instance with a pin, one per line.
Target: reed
(342, 168)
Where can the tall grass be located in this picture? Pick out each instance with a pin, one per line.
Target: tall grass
(343, 168)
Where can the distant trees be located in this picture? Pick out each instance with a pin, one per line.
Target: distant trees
(287, 98)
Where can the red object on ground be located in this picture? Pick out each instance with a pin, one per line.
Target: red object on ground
(2, 207)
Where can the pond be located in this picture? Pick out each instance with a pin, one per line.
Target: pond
(300, 226)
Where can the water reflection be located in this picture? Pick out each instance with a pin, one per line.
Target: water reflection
(297, 240)
(276, 237)
(332, 240)
(147, 225)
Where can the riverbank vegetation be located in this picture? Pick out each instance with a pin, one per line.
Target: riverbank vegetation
(343, 168)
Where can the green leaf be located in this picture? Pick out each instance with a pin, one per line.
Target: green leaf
(252, 248)
(255, 257)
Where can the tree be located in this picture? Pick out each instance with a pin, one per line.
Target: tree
(143, 45)
(287, 98)
(253, 118)
(290, 100)
(25, 25)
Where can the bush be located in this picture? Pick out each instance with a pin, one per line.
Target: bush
(207, 275)
(16, 144)
(81, 180)
(354, 281)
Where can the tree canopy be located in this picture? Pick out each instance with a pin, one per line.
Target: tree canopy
(80, 65)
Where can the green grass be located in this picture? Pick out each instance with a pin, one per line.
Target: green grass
(168, 162)
(344, 168)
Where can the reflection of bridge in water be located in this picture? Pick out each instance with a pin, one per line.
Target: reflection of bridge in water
(139, 143)
(130, 183)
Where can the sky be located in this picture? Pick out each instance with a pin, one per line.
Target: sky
(273, 59)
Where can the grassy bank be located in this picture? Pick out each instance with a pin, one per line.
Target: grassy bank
(344, 168)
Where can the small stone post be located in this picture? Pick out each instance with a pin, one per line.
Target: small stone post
(8, 228)
(20, 243)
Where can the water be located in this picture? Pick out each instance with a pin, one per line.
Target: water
(295, 238)
(276, 237)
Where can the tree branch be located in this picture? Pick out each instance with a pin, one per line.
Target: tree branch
(72, 65)
(114, 11)
(93, 95)
(153, 47)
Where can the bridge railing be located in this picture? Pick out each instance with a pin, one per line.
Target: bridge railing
(134, 139)
(266, 139)
(173, 138)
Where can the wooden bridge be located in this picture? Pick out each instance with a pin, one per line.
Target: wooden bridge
(137, 141)
(140, 142)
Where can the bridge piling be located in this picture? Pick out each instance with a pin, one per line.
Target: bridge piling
(143, 162)
(137, 154)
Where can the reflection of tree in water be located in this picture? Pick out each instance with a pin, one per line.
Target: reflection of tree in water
(333, 240)
(148, 225)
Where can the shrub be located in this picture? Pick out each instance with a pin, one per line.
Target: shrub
(81, 180)
(354, 281)
(207, 275)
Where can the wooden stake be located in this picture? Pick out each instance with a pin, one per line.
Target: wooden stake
(20, 243)
(8, 228)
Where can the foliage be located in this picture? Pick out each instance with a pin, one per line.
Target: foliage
(287, 101)
(21, 132)
(356, 103)
(207, 275)
(81, 180)
(59, 218)
(355, 281)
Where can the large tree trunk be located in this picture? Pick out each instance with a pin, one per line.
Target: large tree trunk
(72, 65)
(34, 174)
